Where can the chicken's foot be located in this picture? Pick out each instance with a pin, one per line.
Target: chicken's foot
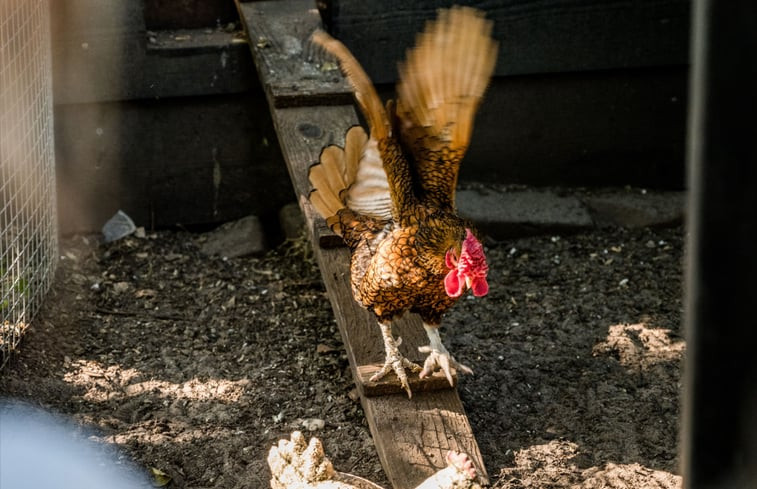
(438, 356)
(395, 361)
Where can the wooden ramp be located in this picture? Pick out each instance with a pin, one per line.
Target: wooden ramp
(311, 108)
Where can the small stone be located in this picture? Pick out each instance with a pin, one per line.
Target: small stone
(291, 221)
(121, 287)
(313, 424)
(239, 238)
(353, 395)
(503, 214)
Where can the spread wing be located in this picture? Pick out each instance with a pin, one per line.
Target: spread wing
(442, 82)
(367, 190)
(351, 177)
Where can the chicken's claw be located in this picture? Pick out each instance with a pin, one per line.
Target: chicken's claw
(440, 359)
(397, 363)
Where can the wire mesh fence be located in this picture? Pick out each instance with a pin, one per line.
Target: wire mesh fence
(28, 227)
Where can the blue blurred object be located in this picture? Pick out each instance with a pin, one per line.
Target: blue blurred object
(40, 451)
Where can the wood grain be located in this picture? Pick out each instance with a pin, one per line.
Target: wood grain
(413, 436)
(290, 68)
(390, 384)
(303, 133)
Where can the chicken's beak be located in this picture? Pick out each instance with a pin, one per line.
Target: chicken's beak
(468, 282)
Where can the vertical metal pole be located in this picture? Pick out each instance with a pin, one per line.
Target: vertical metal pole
(720, 399)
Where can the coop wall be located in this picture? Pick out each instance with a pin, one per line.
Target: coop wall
(159, 114)
(28, 226)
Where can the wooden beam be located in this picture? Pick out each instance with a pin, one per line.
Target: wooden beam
(279, 40)
(412, 436)
(720, 404)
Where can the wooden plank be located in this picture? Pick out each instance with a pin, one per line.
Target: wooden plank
(305, 131)
(719, 422)
(548, 36)
(288, 66)
(412, 436)
(389, 384)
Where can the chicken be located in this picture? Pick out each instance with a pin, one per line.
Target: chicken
(390, 194)
(299, 464)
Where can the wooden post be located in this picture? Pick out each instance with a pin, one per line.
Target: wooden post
(720, 405)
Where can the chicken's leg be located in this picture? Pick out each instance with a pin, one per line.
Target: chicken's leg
(394, 359)
(438, 356)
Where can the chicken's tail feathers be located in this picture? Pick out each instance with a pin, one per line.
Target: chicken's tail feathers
(365, 93)
(333, 175)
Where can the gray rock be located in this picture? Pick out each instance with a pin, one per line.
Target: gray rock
(636, 209)
(291, 220)
(238, 238)
(502, 214)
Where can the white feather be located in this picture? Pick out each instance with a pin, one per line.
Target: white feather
(369, 194)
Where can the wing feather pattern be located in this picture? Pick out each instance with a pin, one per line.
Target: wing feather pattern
(351, 177)
(442, 82)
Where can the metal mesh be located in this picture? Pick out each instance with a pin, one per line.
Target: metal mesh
(28, 227)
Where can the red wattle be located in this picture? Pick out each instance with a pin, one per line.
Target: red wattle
(453, 284)
(480, 287)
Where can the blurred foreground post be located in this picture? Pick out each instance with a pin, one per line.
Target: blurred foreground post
(720, 411)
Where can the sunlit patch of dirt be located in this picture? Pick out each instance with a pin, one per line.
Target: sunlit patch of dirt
(196, 365)
(639, 346)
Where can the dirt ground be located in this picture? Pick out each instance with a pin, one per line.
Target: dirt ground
(197, 365)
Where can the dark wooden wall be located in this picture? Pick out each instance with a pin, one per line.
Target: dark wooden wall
(582, 129)
(587, 92)
(549, 36)
(170, 126)
(159, 111)
(188, 14)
